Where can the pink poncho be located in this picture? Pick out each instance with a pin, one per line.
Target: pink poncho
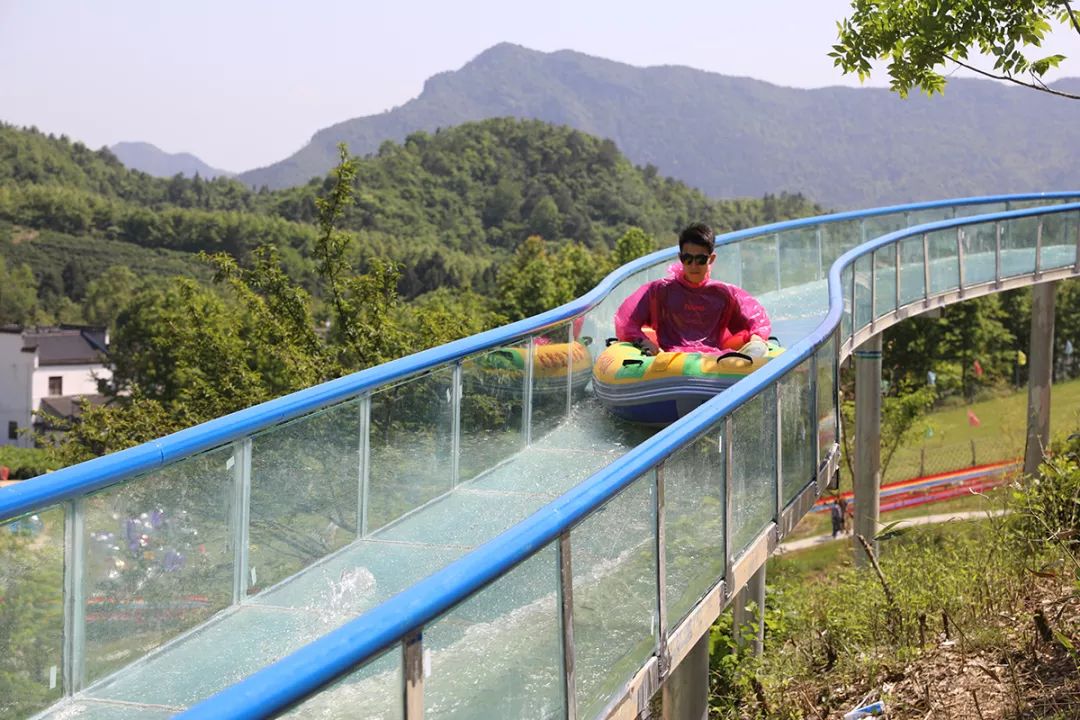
(710, 317)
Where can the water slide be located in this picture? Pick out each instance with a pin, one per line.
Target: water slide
(465, 532)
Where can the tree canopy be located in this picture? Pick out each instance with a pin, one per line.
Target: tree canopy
(919, 38)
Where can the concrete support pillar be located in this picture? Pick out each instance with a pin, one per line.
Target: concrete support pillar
(867, 445)
(743, 618)
(685, 693)
(1040, 374)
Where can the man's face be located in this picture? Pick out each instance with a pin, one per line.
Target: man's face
(696, 261)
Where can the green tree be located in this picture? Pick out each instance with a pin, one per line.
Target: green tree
(631, 245)
(919, 38)
(108, 293)
(18, 294)
(530, 282)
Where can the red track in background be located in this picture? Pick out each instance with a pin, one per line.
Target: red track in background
(933, 488)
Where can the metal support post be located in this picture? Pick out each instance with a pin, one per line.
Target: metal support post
(743, 619)
(685, 694)
(74, 653)
(566, 619)
(243, 576)
(527, 392)
(867, 444)
(412, 661)
(1040, 369)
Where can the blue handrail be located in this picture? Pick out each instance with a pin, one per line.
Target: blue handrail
(318, 664)
(99, 473)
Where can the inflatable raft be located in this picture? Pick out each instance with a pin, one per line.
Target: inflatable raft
(659, 389)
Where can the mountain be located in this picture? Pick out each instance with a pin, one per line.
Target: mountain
(738, 137)
(154, 161)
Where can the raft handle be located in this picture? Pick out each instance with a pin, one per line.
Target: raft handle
(632, 361)
(734, 353)
(610, 341)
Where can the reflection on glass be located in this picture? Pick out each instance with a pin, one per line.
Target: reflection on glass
(1059, 240)
(796, 431)
(305, 478)
(760, 271)
(492, 402)
(837, 238)
(693, 522)
(475, 673)
(846, 322)
(753, 458)
(800, 262)
(411, 456)
(944, 263)
(884, 281)
(978, 243)
(912, 279)
(31, 612)
(863, 299)
(1018, 240)
(613, 555)
(371, 692)
(159, 558)
(554, 357)
(826, 397)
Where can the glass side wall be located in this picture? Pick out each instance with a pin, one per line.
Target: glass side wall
(1060, 238)
(978, 243)
(912, 271)
(305, 487)
(32, 612)
(474, 673)
(158, 558)
(693, 522)
(616, 608)
(374, 691)
(796, 431)
(753, 460)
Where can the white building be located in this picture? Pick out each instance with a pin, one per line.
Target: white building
(47, 371)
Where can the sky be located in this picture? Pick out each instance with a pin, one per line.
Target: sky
(245, 83)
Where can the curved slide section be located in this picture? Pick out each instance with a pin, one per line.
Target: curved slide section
(464, 532)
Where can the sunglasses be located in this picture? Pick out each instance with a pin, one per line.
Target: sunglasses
(689, 259)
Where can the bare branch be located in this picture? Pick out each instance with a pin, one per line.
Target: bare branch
(1030, 86)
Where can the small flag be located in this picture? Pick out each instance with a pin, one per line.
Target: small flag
(1021, 358)
(973, 419)
(978, 369)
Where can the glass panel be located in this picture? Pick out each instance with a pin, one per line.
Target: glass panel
(411, 455)
(753, 460)
(371, 692)
(826, 398)
(846, 324)
(599, 323)
(31, 612)
(476, 673)
(305, 478)
(944, 264)
(800, 261)
(551, 377)
(693, 522)
(796, 431)
(920, 217)
(613, 554)
(984, 209)
(884, 281)
(912, 279)
(1018, 246)
(1060, 236)
(759, 269)
(728, 265)
(863, 268)
(978, 242)
(159, 558)
(875, 227)
(491, 407)
(837, 238)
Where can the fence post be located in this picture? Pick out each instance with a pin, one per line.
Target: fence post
(922, 461)
(973, 461)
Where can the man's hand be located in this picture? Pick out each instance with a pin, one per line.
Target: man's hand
(648, 347)
(756, 347)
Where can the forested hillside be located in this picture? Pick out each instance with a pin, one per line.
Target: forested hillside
(452, 207)
(729, 136)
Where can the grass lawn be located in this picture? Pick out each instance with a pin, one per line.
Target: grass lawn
(1000, 436)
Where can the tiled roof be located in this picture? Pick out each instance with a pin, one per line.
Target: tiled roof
(66, 345)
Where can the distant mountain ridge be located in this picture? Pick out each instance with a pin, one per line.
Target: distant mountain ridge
(152, 160)
(738, 137)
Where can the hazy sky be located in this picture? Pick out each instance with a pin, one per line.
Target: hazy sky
(244, 83)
